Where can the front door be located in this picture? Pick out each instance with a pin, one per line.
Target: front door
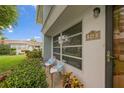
(109, 47)
(118, 46)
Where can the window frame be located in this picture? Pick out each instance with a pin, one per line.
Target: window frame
(61, 45)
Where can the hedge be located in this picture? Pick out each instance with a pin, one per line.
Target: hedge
(29, 74)
(36, 53)
(5, 49)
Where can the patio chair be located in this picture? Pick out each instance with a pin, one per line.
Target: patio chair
(56, 69)
(48, 64)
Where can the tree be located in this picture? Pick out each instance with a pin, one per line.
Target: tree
(2, 37)
(1, 33)
(4, 49)
(8, 16)
(33, 40)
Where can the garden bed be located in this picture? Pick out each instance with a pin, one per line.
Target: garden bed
(29, 74)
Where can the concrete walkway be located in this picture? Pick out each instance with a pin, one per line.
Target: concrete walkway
(57, 79)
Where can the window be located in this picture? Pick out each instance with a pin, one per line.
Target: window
(75, 40)
(71, 50)
(73, 30)
(73, 61)
(56, 50)
(56, 47)
(56, 55)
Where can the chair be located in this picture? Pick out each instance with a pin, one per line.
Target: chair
(48, 64)
(51, 61)
(55, 69)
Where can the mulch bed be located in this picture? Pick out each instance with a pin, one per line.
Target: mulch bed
(4, 75)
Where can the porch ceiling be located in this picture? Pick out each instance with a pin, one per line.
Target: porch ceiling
(70, 14)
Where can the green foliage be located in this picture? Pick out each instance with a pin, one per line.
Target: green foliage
(36, 53)
(1, 33)
(4, 49)
(71, 81)
(33, 39)
(3, 38)
(7, 50)
(8, 16)
(26, 75)
(12, 51)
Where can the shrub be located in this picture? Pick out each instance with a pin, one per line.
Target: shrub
(26, 75)
(36, 53)
(5, 49)
(12, 51)
(71, 81)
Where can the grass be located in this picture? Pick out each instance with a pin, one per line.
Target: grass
(7, 62)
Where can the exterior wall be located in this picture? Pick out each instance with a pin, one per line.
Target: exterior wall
(47, 47)
(93, 54)
(94, 51)
(93, 67)
(20, 47)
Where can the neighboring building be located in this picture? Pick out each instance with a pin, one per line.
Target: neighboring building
(86, 38)
(21, 46)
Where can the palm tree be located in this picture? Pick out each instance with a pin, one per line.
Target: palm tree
(8, 16)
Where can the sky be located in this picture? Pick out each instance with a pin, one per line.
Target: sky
(26, 27)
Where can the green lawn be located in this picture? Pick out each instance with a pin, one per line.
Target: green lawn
(7, 62)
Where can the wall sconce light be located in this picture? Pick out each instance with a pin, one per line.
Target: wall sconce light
(96, 12)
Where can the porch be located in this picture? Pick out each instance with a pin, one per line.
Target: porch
(61, 79)
(65, 37)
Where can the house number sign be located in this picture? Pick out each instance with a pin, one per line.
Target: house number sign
(93, 35)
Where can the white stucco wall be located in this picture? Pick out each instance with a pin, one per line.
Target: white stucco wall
(20, 47)
(93, 52)
(93, 64)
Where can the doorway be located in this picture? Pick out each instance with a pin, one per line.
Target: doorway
(114, 47)
(118, 46)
